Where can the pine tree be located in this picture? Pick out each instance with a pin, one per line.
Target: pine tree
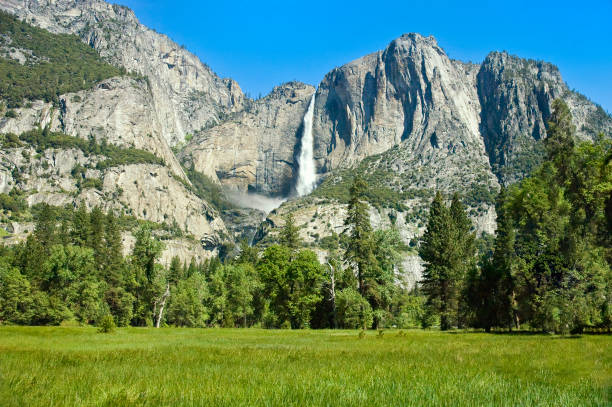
(96, 237)
(504, 258)
(81, 227)
(146, 251)
(289, 234)
(46, 227)
(491, 291)
(175, 272)
(438, 282)
(114, 264)
(463, 249)
(559, 141)
(360, 248)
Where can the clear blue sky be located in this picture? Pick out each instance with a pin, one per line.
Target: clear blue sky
(262, 44)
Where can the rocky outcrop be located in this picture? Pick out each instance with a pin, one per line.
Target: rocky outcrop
(146, 191)
(411, 94)
(516, 97)
(118, 111)
(255, 149)
(186, 94)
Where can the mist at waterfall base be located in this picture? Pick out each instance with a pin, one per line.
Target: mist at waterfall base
(255, 201)
(306, 180)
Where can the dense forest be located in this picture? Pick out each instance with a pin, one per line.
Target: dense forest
(547, 269)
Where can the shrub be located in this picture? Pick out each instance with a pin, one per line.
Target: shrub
(107, 324)
(354, 311)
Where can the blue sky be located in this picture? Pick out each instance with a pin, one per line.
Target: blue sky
(263, 44)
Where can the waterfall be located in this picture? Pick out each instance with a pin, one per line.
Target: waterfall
(307, 176)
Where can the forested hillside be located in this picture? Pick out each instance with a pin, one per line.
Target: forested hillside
(38, 65)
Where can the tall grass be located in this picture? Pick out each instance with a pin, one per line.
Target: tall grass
(210, 367)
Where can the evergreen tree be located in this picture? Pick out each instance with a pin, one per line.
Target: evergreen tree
(45, 231)
(175, 272)
(81, 226)
(490, 291)
(560, 138)
(114, 264)
(439, 283)
(96, 237)
(289, 235)
(360, 248)
(463, 249)
(248, 254)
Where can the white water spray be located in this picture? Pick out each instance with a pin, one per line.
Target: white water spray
(307, 176)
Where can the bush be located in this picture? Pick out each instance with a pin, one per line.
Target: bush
(354, 311)
(107, 324)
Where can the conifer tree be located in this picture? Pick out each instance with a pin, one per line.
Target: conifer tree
(438, 281)
(360, 248)
(289, 234)
(113, 254)
(96, 236)
(559, 141)
(81, 226)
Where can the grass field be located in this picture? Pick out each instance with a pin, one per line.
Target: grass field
(217, 367)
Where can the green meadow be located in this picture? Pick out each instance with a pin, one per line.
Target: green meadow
(62, 366)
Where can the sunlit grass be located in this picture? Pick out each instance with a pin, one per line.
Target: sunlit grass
(209, 367)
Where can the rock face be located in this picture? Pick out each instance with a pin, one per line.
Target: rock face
(186, 94)
(516, 97)
(118, 111)
(437, 109)
(255, 150)
(145, 191)
(168, 94)
(410, 93)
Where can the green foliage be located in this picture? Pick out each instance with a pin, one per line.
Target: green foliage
(354, 311)
(291, 284)
(15, 295)
(10, 140)
(13, 201)
(289, 234)
(56, 64)
(551, 266)
(207, 189)
(42, 139)
(186, 306)
(107, 324)
(360, 249)
(447, 248)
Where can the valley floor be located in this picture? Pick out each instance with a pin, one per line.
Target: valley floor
(44, 366)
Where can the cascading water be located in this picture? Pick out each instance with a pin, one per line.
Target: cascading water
(307, 176)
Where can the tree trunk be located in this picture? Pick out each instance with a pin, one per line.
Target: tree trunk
(162, 304)
(332, 294)
(517, 322)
